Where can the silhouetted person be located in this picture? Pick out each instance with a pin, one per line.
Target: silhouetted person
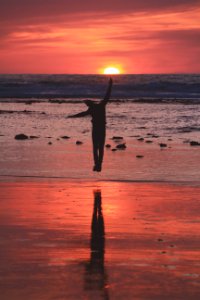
(98, 113)
(96, 278)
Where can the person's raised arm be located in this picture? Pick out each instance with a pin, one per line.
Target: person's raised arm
(108, 92)
(79, 115)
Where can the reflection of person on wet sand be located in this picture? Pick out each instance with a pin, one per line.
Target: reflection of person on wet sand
(98, 113)
(96, 279)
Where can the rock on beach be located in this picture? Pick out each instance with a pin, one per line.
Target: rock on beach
(121, 146)
(194, 143)
(21, 136)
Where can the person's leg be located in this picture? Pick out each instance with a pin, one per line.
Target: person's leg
(101, 144)
(95, 150)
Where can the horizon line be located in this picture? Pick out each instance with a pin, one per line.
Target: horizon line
(106, 75)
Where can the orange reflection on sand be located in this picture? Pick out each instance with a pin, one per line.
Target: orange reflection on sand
(99, 236)
(60, 204)
(44, 206)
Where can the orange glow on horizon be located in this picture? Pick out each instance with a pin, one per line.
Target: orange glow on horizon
(111, 71)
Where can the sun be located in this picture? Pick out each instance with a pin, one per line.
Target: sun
(111, 71)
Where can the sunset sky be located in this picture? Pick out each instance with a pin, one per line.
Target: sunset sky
(76, 36)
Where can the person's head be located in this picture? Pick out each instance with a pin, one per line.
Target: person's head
(89, 103)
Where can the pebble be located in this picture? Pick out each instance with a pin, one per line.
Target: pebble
(194, 143)
(121, 146)
(162, 145)
(21, 136)
(33, 137)
(108, 146)
(117, 138)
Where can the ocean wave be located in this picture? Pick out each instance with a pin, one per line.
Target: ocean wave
(188, 129)
(151, 88)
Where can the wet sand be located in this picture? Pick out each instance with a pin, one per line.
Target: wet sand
(144, 127)
(62, 158)
(99, 240)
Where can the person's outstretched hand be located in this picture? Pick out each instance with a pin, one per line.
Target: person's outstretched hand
(70, 116)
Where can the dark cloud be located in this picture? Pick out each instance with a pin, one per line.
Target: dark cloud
(191, 36)
(12, 10)
(186, 35)
(22, 14)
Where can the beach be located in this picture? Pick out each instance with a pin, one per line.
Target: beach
(146, 237)
(130, 231)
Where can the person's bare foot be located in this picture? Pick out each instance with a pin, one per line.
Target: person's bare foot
(95, 168)
(98, 168)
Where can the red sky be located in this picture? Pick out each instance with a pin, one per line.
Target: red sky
(76, 36)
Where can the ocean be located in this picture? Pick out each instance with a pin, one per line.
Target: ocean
(156, 88)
